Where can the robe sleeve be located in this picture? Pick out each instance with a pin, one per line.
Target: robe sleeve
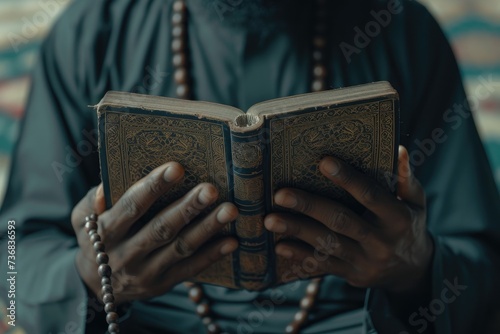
(463, 202)
(54, 165)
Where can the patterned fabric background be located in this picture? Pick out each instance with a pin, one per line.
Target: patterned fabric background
(473, 27)
(23, 24)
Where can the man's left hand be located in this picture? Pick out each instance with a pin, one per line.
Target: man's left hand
(387, 247)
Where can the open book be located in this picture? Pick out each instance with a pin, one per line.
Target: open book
(248, 156)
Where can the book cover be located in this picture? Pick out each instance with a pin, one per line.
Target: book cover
(248, 157)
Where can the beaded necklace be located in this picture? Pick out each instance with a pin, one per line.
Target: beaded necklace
(182, 78)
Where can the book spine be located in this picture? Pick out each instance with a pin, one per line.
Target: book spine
(248, 177)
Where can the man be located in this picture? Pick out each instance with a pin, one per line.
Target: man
(429, 264)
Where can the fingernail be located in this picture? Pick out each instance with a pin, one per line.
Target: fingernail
(288, 200)
(205, 196)
(228, 248)
(171, 174)
(99, 203)
(277, 226)
(331, 166)
(224, 216)
(100, 191)
(285, 252)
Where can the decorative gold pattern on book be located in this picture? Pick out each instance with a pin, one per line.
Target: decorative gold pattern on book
(255, 263)
(249, 226)
(249, 195)
(360, 135)
(249, 189)
(150, 141)
(357, 133)
(137, 144)
(253, 267)
(247, 154)
(384, 173)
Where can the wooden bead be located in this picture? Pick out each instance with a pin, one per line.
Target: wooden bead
(109, 307)
(107, 288)
(104, 270)
(95, 237)
(90, 225)
(306, 302)
(318, 85)
(319, 71)
(179, 60)
(92, 232)
(179, 6)
(113, 328)
(195, 294)
(105, 280)
(178, 31)
(108, 298)
(181, 76)
(178, 18)
(203, 309)
(300, 316)
(178, 45)
(292, 328)
(312, 288)
(213, 328)
(98, 246)
(102, 258)
(92, 217)
(182, 91)
(112, 317)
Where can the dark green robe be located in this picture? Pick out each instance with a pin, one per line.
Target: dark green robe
(125, 45)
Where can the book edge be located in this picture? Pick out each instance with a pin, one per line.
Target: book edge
(333, 97)
(211, 110)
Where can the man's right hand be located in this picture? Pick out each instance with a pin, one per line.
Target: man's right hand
(173, 246)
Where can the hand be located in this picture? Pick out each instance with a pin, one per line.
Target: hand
(169, 249)
(389, 247)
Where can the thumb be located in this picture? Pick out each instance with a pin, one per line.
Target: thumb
(408, 188)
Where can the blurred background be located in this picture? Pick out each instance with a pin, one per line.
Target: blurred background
(473, 27)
